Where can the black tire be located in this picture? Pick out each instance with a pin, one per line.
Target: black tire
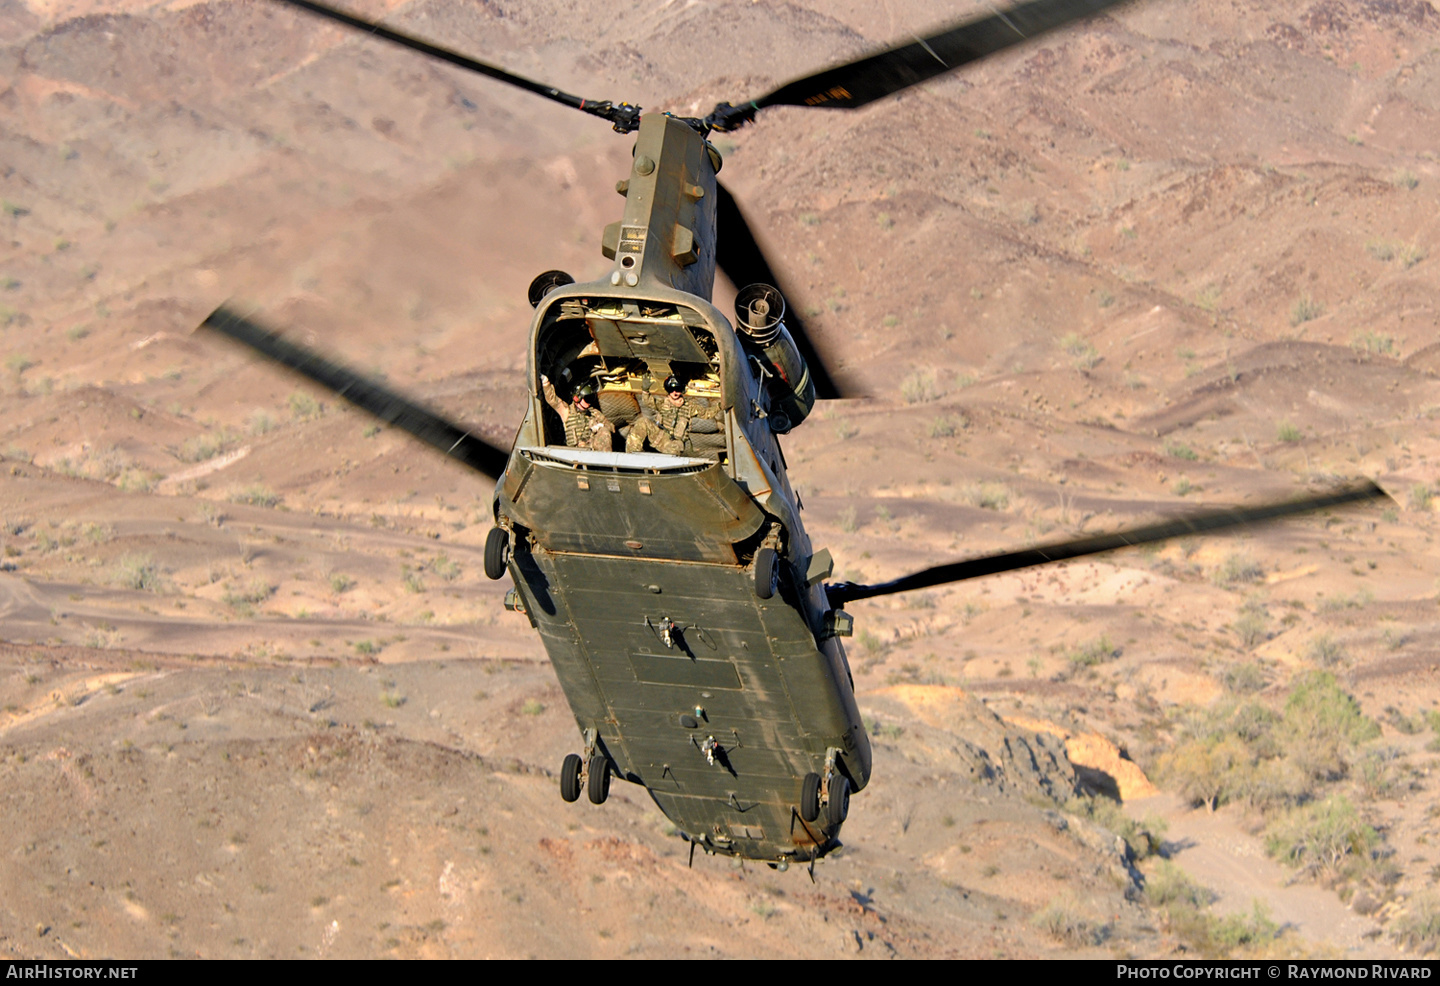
(810, 797)
(767, 573)
(570, 777)
(497, 552)
(839, 806)
(598, 784)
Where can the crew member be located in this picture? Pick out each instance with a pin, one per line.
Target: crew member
(585, 425)
(666, 421)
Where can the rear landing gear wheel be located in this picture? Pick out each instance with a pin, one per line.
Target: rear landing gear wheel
(767, 573)
(839, 806)
(597, 786)
(497, 552)
(570, 777)
(810, 797)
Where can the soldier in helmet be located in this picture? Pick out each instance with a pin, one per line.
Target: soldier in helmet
(666, 421)
(585, 425)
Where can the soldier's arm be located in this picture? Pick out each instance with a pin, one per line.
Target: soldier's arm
(708, 409)
(553, 399)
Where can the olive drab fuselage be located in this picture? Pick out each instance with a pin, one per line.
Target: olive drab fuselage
(639, 570)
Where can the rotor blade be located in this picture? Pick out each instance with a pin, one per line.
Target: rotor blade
(380, 401)
(740, 257)
(857, 83)
(1200, 523)
(624, 117)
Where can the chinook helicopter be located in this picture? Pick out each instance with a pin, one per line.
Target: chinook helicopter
(685, 609)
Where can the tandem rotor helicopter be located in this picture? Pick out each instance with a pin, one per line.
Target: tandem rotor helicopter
(644, 512)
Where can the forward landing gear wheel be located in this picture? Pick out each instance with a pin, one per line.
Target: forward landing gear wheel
(767, 573)
(810, 797)
(570, 777)
(497, 552)
(598, 784)
(839, 806)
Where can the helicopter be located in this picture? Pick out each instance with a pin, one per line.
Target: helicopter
(688, 615)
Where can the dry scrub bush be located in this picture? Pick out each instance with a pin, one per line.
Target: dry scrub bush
(1244, 678)
(987, 496)
(1060, 920)
(1325, 651)
(1083, 355)
(919, 388)
(255, 494)
(1418, 928)
(1305, 309)
(1237, 569)
(199, 448)
(138, 572)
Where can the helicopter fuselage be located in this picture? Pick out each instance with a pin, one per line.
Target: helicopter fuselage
(678, 595)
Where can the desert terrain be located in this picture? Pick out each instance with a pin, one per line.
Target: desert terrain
(257, 698)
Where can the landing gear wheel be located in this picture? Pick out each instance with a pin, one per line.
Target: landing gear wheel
(810, 797)
(570, 777)
(767, 573)
(497, 552)
(839, 806)
(598, 784)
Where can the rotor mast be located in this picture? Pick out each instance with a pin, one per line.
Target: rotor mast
(667, 233)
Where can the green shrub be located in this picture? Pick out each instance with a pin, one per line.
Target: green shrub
(1238, 930)
(1095, 652)
(1286, 431)
(1320, 837)
(1322, 724)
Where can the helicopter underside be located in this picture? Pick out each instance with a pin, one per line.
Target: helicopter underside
(719, 702)
(722, 723)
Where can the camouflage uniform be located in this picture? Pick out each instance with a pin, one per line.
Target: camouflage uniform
(667, 427)
(580, 430)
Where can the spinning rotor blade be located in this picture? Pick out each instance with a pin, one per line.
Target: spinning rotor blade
(863, 81)
(624, 117)
(380, 401)
(1200, 523)
(739, 256)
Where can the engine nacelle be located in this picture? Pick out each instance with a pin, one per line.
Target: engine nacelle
(760, 314)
